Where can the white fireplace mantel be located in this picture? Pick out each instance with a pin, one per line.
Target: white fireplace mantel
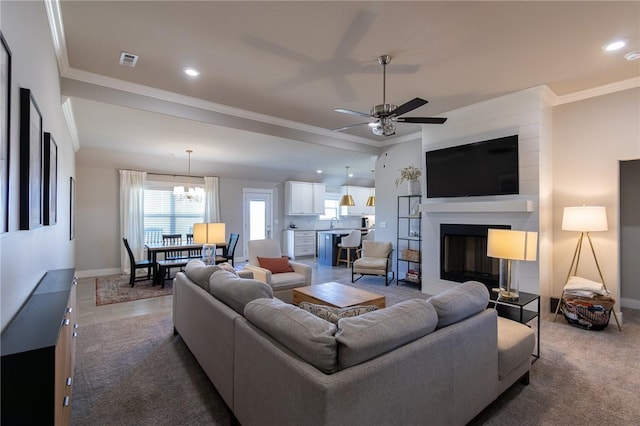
(523, 206)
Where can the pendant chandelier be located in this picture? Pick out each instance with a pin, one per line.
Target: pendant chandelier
(371, 201)
(192, 193)
(347, 200)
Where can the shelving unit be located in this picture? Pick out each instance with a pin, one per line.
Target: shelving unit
(409, 244)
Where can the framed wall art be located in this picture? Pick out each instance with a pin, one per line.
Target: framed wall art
(72, 208)
(50, 182)
(30, 162)
(5, 115)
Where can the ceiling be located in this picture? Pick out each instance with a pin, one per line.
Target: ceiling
(272, 73)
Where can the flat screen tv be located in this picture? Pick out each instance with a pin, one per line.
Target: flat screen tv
(482, 168)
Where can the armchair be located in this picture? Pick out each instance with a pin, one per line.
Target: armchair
(375, 260)
(281, 283)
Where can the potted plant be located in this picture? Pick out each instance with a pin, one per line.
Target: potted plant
(412, 175)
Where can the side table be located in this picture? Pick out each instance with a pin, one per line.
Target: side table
(514, 310)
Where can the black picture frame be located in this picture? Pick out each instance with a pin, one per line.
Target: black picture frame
(30, 161)
(5, 120)
(72, 208)
(50, 183)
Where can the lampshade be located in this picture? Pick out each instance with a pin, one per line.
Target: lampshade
(584, 219)
(191, 193)
(347, 200)
(512, 245)
(371, 201)
(209, 233)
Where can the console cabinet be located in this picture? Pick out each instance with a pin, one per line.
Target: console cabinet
(38, 354)
(300, 243)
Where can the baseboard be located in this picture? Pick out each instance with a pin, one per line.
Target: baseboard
(630, 303)
(98, 272)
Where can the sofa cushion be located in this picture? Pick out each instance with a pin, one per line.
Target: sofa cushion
(460, 302)
(303, 333)
(200, 273)
(372, 334)
(331, 314)
(236, 292)
(515, 345)
(276, 265)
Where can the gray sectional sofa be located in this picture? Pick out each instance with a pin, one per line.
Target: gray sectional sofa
(436, 362)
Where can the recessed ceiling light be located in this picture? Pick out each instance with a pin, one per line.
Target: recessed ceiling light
(632, 56)
(614, 45)
(191, 72)
(350, 174)
(318, 171)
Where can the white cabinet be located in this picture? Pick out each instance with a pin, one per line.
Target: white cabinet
(300, 243)
(304, 198)
(360, 196)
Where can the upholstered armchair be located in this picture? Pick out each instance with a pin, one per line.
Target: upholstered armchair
(282, 283)
(375, 260)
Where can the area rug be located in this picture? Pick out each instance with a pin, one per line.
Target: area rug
(115, 289)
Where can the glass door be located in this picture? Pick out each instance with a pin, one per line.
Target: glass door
(258, 212)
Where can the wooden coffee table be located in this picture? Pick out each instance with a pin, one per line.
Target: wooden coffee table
(336, 295)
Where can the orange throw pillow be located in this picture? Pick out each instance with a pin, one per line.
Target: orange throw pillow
(275, 264)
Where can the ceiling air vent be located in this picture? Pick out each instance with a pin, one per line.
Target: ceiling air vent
(128, 59)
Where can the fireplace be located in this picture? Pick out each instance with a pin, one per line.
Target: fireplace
(463, 254)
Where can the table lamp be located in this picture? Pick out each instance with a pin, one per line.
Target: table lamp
(209, 234)
(508, 245)
(584, 219)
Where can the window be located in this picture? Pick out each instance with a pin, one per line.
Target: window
(331, 206)
(165, 214)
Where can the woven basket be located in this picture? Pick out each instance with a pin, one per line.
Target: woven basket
(412, 255)
(590, 313)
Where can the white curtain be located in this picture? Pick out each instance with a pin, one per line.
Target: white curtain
(211, 200)
(132, 215)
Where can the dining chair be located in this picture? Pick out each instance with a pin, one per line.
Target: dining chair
(137, 264)
(349, 243)
(227, 252)
(193, 253)
(170, 239)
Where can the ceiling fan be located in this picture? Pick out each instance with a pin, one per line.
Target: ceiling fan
(386, 115)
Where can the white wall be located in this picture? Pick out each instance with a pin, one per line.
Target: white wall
(526, 114)
(25, 256)
(590, 137)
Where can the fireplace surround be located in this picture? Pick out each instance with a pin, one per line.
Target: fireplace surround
(463, 254)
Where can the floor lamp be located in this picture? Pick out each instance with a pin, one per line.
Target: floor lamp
(585, 219)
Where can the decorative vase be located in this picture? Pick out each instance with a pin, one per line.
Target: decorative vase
(414, 187)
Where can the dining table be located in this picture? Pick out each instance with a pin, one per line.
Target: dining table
(153, 249)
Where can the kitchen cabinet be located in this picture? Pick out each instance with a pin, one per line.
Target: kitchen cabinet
(299, 243)
(360, 195)
(304, 198)
(38, 354)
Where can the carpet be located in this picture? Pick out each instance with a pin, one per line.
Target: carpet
(115, 289)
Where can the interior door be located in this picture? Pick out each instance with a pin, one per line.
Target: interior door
(257, 215)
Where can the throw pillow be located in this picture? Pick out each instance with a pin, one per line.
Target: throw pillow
(331, 314)
(304, 334)
(370, 335)
(200, 273)
(276, 265)
(460, 302)
(236, 292)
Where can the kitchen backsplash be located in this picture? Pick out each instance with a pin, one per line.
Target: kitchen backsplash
(344, 222)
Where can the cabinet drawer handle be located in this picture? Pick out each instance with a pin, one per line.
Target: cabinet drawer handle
(69, 310)
(75, 334)
(65, 402)
(66, 322)
(75, 325)
(69, 379)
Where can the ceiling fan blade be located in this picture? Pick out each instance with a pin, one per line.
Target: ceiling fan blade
(422, 120)
(348, 111)
(349, 127)
(408, 106)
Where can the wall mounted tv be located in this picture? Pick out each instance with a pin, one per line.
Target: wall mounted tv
(482, 168)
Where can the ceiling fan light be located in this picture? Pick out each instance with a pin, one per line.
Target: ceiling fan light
(377, 129)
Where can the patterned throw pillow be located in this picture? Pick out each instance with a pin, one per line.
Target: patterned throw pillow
(331, 314)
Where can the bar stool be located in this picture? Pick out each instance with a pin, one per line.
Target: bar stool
(348, 243)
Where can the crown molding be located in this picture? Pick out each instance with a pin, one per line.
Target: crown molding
(67, 110)
(618, 86)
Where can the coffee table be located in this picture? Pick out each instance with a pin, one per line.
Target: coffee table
(336, 295)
